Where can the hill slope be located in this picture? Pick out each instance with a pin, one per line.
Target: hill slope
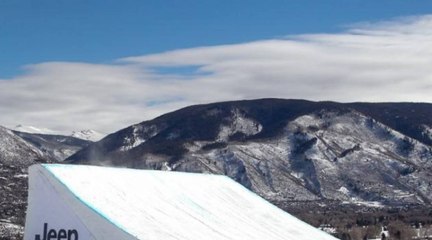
(18, 151)
(288, 150)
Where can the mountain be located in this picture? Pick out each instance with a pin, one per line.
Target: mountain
(15, 156)
(289, 151)
(87, 134)
(31, 129)
(54, 147)
(411, 119)
(19, 150)
(16, 151)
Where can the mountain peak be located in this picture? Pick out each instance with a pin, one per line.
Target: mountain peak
(88, 134)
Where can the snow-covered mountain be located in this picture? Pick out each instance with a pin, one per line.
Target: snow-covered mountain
(87, 134)
(31, 129)
(15, 156)
(19, 150)
(54, 147)
(16, 151)
(288, 150)
(292, 152)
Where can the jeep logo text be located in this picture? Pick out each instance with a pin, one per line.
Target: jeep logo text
(53, 234)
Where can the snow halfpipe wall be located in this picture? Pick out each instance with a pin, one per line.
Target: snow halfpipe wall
(85, 202)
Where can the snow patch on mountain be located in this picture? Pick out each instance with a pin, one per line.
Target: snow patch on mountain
(140, 134)
(322, 155)
(10, 230)
(132, 143)
(344, 190)
(373, 204)
(256, 166)
(31, 129)
(238, 123)
(14, 150)
(351, 132)
(427, 131)
(342, 147)
(88, 134)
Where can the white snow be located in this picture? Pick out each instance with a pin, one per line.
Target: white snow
(166, 167)
(131, 143)
(358, 202)
(353, 142)
(170, 205)
(14, 149)
(21, 176)
(138, 136)
(427, 131)
(31, 129)
(10, 227)
(344, 190)
(88, 134)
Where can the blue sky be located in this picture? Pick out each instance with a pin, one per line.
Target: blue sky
(102, 31)
(71, 65)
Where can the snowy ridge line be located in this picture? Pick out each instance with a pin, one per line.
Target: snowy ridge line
(87, 134)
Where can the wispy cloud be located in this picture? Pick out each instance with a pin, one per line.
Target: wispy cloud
(385, 61)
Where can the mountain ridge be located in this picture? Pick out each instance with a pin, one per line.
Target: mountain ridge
(18, 151)
(306, 157)
(287, 150)
(85, 134)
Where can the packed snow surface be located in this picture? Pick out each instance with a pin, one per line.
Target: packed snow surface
(173, 205)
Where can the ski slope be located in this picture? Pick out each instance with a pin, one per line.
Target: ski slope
(116, 203)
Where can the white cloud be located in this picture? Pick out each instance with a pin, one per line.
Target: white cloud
(386, 61)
